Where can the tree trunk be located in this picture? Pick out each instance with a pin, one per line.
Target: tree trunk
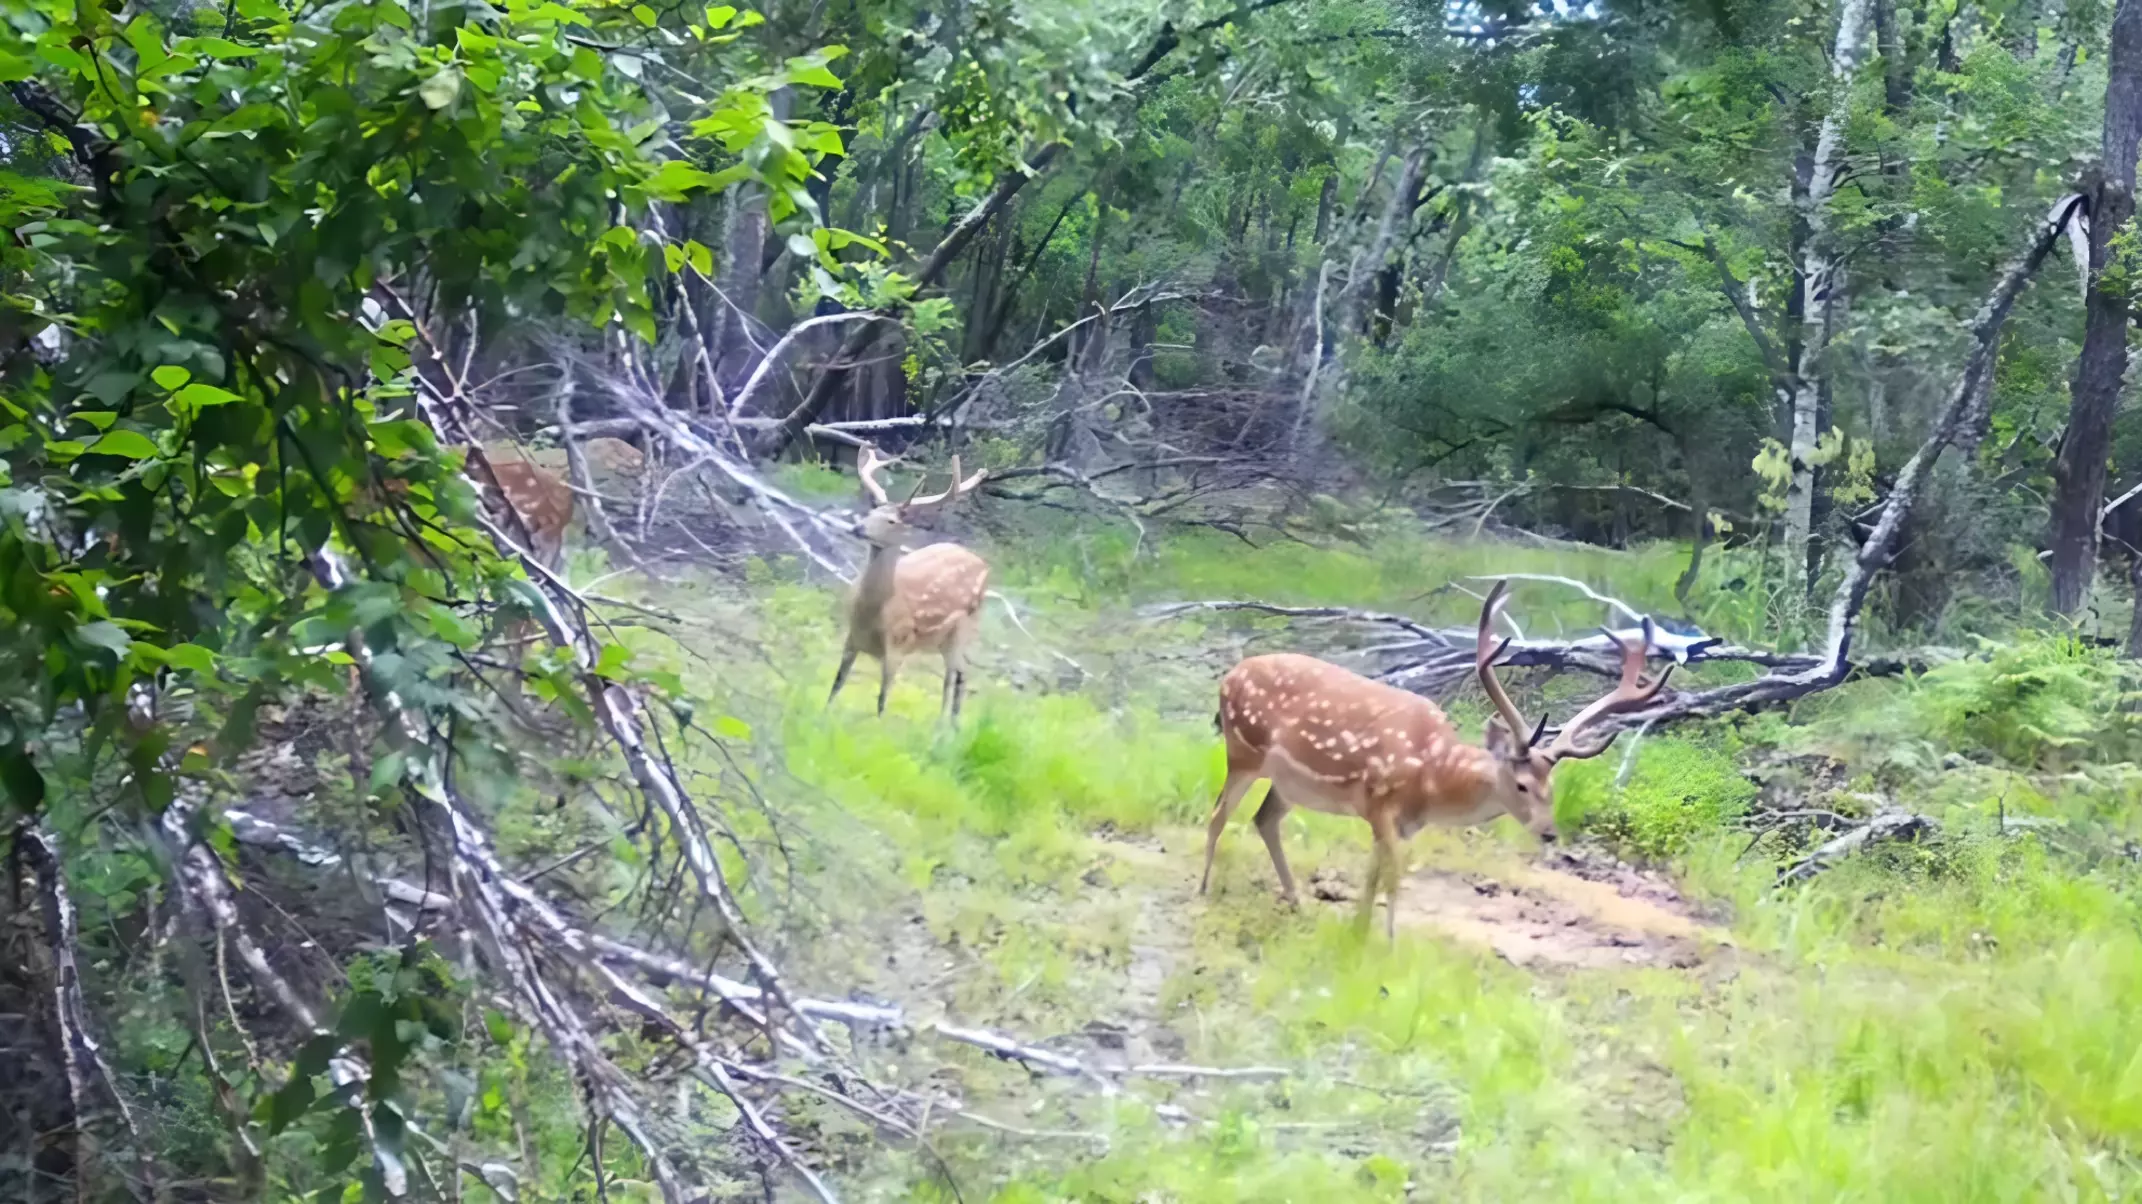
(927, 275)
(1095, 334)
(2079, 473)
(1822, 269)
(1896, 66)
(1360, 291)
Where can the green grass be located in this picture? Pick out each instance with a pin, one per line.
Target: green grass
(1955, 1022)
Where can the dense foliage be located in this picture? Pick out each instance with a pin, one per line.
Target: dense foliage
(1694, 280)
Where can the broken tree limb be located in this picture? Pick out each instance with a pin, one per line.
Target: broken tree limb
(927, 275)
(1438, 658)
(1890, 825)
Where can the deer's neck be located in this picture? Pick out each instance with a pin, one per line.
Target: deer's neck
(874, 589)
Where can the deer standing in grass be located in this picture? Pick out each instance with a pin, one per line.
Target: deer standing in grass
(928, 600)
(1336, 742)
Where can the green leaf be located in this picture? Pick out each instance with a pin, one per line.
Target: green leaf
(106, 635)
(101, 419)
(452, 628)
(131, 445)
(612, 662)
(170, 377)
(386, 771)
(700, 257)
(286, 1106)
(731, 727)
(718, 15)
(191, 657)
(216, 48)
(644, 15)
(198, 396)
(811, 73)
(440, 90)
(672, 180)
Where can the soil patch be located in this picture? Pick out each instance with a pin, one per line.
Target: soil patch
(1548, 917)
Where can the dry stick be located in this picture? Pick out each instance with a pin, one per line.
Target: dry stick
(773, 355)
(948, 249)
(485, 883)
(1895, 825)
(777, 506)
(205, 895)
(482, 884)
(576, 468)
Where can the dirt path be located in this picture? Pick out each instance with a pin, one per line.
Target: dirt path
(1573, 911)
(1548, 917)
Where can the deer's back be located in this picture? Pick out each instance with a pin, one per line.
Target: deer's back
(1330, 723)
(935, 590)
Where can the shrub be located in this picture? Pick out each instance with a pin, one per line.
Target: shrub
(1679, 791)
(2041, 702)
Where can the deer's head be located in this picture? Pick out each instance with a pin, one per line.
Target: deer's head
(891, 524)
(1524, 765)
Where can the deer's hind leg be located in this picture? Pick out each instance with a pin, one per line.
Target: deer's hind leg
(1273, 810)
(957, 646)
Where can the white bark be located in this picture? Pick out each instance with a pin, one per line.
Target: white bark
(1822, 271)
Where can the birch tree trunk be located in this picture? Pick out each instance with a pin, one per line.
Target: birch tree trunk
(2094, 397)
(1822, 269)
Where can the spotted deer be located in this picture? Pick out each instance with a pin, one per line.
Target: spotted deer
(1336, 742)
(928, 600)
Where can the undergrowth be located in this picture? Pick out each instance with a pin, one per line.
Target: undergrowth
(1951, 1022)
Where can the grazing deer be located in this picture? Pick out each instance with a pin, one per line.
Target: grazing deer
(1336, 742)
(928, 600)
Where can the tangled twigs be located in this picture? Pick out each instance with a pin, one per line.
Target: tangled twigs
(206, 901)
(494, 905)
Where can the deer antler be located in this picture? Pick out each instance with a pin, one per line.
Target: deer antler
(958, 487)
(1484, 661)
(866, 471)
(1632, 693)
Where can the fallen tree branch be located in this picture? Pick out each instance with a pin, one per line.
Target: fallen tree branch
(1449, 650)
(1890, 825)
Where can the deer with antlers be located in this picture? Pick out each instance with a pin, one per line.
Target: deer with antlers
(1336, 742)
(928, 600)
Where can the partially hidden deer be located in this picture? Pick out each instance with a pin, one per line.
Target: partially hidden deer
(541, 499)
(1336, 742)
(927, 600)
